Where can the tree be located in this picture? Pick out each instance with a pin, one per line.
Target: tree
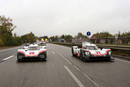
(29, 38)
(1, 42)
(62, 36)
(126, 34)
(102, 35)
(54, 38)
(80, 35)
(17, 39)
(6, 28)
(68, 38)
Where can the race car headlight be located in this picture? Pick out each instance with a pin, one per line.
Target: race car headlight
(87, 53)
(109, 53)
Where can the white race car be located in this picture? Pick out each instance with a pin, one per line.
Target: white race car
(32, 52)
(91, 51)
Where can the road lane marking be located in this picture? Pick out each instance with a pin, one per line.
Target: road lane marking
(86, 76)
(65, 59)
(78, 70)
(91, 80)
(8, 58)
(74, 77)
(122, 60)
(76, 67)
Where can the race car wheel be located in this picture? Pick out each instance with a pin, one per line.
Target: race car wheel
(83, 57)
(110, 59)
(43, 57)
(87, 59)
(19, 58)
(73, 52)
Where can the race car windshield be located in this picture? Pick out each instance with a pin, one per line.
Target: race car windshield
(42, 44)
(34, 48)
(91, 47)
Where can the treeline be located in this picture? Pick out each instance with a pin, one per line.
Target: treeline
(7, 38)
(67, 38)
(80, 37)
(109, 35)
(28, 38)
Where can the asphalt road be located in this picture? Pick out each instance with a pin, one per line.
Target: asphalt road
(61, 70)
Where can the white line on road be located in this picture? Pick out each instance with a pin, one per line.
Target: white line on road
(91, 80)
(65, 59)
(8, 58)
(87, 76)
(74, 77)
(76, 67)
(122, 60)
(80, 71)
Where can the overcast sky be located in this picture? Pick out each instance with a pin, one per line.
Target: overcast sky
(56, 17)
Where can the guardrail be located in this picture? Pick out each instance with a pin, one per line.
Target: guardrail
(99, 45)
(119, 47)
(116, 49)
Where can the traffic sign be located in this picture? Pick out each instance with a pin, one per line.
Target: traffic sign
(88, 33)
(42, 39)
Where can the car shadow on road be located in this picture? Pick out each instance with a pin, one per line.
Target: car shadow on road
(95, 61)
(99, 61)
(31, 61)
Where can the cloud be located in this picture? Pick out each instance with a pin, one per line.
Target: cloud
(56, 17)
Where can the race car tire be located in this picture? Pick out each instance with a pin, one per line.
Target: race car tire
(73, 52)
(88, 59)
(82, 56)
(43, 57)
(19, 58)
(110, 59)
